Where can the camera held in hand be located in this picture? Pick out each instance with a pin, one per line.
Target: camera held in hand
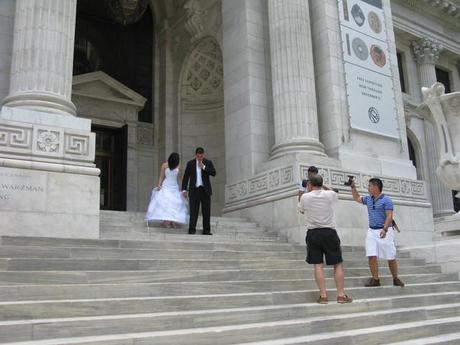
(303, 185)
(350, 180)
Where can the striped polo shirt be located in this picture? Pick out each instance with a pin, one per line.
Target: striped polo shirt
(376, 209)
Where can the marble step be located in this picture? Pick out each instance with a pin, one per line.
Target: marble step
(190, 242)
(420, 330)
(37, 292)
(22, 252)
(233, 327)
(116, 253)
(416, 331)
(92, 306)
(216, 228)
(442, 339)
(89, 264)
(127, 233)
(139, 216)
(140, 253)
(197, 275)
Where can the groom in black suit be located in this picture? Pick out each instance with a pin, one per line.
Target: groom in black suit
(197, 173)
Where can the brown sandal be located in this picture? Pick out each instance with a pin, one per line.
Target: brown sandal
(344, 299)
(322, 300)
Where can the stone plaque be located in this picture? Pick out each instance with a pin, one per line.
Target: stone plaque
(22, 190)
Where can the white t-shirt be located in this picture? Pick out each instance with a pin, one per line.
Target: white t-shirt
(318, 207)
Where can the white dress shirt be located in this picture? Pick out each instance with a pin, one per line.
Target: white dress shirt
(199, 178)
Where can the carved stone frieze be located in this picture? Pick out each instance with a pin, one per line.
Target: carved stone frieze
(46, 142)
(15, 138)
(282, 180)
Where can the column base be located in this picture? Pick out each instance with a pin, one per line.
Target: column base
(41, 102)
(49, 185)
(309, 146)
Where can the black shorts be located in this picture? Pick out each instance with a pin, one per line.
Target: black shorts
(323, 242)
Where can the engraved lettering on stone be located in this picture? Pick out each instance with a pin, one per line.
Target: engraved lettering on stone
(21, 188)
(48, 141)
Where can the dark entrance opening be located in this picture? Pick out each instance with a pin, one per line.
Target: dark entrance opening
(111, 149)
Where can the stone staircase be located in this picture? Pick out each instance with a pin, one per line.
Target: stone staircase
(243, 285)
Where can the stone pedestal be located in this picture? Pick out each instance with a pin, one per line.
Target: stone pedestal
(49, 185)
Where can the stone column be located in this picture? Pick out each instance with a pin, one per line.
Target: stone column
(294, 96)
(426, 52)
(42, 57)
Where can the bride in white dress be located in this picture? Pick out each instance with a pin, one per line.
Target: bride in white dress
(167, 204)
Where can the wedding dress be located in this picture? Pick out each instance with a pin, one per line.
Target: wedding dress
(168, 203)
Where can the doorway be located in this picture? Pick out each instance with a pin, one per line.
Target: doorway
(111, 154)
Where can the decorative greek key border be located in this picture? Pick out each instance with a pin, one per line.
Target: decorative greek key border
(283, 179)
(47, 142)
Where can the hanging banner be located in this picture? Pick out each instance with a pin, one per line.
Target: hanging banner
(368, 77)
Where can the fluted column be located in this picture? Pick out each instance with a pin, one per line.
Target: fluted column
(42, 57)
(426, 54)
(294, 97)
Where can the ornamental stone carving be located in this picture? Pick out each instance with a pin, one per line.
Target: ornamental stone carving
(426, 50)
(48, 141)
(281, 181)
(15, 138)
(447, 6)
(127, 11)
(444, 112)
(195, 19)
(204, 71)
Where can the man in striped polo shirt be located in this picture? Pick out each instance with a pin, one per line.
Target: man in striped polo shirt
(380, 235)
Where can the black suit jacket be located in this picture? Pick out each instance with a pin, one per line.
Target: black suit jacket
(190, 176)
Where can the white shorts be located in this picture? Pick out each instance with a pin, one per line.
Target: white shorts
(383, 248)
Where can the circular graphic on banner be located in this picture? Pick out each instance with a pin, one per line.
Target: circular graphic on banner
(374, 115)
(378, 56)
(360, 48)
(374, 22)
(358, 15)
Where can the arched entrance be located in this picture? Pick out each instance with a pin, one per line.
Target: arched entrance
(201, 113)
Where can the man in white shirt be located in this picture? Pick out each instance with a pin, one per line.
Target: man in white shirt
(322, 239)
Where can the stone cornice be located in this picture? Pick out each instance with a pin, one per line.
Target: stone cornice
(417, 30)
(445, 6)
